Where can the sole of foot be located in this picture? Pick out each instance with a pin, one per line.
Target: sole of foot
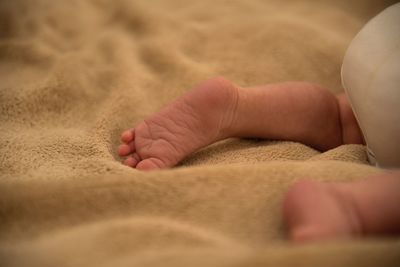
(198, 118)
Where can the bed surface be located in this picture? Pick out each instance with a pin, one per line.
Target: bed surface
(74, 74)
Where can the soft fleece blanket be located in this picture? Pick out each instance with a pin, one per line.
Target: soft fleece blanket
(74, 74)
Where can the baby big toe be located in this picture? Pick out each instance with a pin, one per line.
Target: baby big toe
(150, 164)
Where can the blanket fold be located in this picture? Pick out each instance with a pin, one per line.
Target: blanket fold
(74, 74)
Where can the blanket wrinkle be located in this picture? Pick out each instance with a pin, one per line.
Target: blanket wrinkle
(75, 73)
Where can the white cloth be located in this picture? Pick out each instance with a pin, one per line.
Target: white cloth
(371, 78)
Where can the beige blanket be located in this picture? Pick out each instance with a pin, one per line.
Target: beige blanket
(74, 74)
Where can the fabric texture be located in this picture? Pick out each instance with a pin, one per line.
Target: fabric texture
(74, 74)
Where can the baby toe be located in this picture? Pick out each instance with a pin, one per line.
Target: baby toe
(124, 150)
(128, 135)
(150, 164)
(130, 161)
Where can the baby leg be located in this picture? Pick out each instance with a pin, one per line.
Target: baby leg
(217, 109)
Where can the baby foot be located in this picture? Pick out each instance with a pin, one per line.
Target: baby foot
(198, 118)
(317, 211)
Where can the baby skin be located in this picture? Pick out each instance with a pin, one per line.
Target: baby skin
(296, 111)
